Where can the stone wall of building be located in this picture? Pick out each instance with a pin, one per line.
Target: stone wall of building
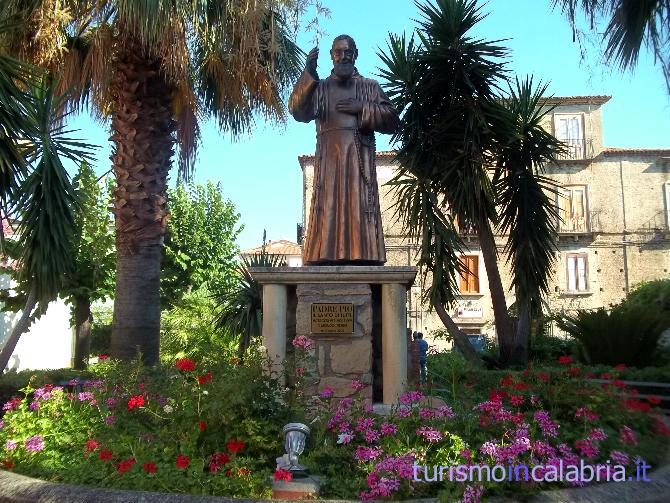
(625, 239)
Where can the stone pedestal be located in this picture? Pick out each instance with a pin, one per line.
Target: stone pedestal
(296, 489)
(378, 295)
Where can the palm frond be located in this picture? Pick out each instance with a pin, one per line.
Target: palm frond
(47, 199)
(528, 213)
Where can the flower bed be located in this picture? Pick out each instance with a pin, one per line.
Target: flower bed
(183, 429)
(218, 431)
(556, 418)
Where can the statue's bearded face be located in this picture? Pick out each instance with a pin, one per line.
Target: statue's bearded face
(344, 57)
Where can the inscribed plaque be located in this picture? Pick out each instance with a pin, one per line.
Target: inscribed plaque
(332, 318)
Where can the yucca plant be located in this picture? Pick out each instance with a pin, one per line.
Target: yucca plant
(460, 120)
(241, 311)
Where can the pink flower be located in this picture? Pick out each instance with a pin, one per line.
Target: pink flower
(34, 444)
(364, 423)
(430, 434)
(302, 342)
(371, 436)
(587, 413)
(357, 384)
(597, 434)
(426, 413)
(299, 371)
(587, 448)
(363, 454)
(411, 397)
(388, 429)
(548, 427)
(445, 411)
(619, 457)
(627, 436)
(327, 392)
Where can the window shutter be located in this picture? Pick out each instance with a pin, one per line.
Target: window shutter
(474, 272)
(581, 274)
(572, 277)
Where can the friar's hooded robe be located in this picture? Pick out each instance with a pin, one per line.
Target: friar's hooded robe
(345, 223)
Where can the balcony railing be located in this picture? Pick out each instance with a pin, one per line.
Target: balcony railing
(575, 150)
(585, 224)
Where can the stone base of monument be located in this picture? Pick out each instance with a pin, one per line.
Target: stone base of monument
(355, 319)
(296, 489)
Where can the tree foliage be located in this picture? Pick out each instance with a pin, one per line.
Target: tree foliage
(471, 148)
(200, 249)
(625, 26)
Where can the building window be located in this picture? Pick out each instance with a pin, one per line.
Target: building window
(470, 275)
(569, 128)
(577, 272)
(573, 209)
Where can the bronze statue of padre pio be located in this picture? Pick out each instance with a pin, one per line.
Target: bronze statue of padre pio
(345, 226)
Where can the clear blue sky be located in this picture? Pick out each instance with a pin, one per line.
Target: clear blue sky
(261, 174)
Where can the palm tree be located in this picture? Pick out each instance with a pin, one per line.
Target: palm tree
(44, 204)
(157, 67)
(629, 25)
(466, 153)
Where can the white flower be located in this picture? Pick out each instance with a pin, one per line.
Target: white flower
(205, 392)
(344, 438)
(168, 409)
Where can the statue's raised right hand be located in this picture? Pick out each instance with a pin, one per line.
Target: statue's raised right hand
(310, 64)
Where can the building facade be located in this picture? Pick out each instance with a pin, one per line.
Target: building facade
(614, 230)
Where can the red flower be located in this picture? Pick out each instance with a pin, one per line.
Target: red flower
(185, 365)
(284, 475)
(618, 383)
(565, 360)
(106, 455)
(103, 357)
(204, 379)
(507, 380)
(202, 426)
(235, 446)
(7, 464)
(497, 395)
(621, 366)
(654, 400)
(126, 465)
(183, 461)
(217, 460)
(517, 400)
(574, 371)
(150, 467)
(92, 444)
(606, 376)
(135, 401)
(542, 376)
(520, 386)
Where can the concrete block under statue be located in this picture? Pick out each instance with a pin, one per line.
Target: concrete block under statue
(356, 317)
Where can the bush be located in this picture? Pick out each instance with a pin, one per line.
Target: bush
(628, 333)
(101, 328)
(187, 330)
(525, 418)
(205, 430)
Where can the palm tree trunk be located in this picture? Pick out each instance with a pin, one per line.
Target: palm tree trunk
(19, 329)
(460, 339)
(520, 347)
(142, 133)
(82, 330)
(504, 325)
